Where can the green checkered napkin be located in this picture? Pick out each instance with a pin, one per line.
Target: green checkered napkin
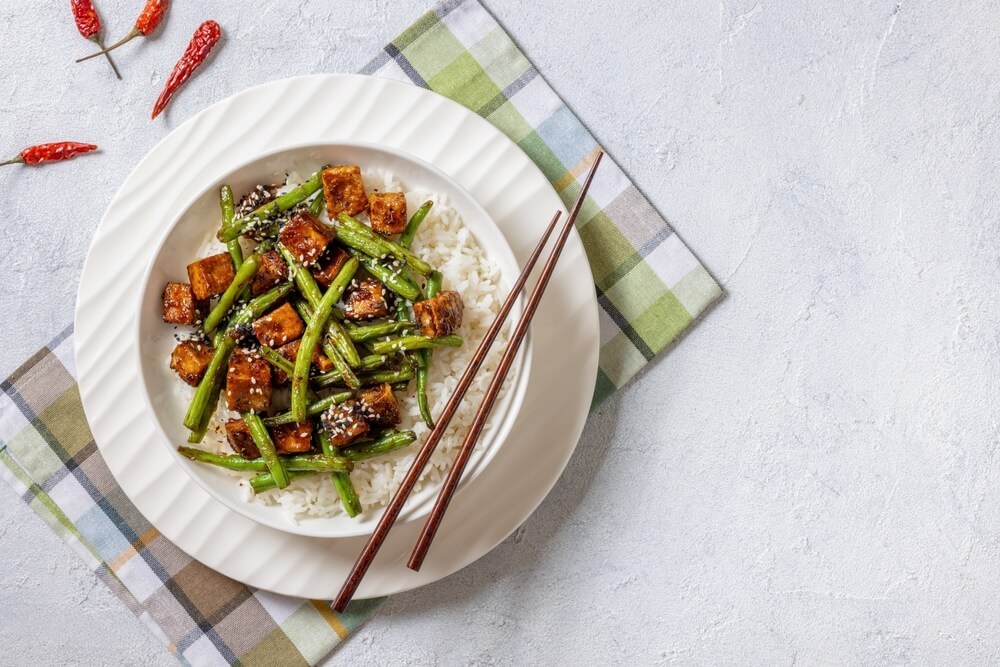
(649, 285)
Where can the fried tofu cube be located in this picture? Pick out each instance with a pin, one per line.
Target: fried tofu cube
(379, 406)
(292, 438)
(344, 423)
(289, 351)
(440, 315)
(279, 326)
(366, 299)
(387, 212)
(248, 382)
(211, 276)
(180, 305)
(238, 435)
(330, 265)
(344, 190)
(306, 237)
(272, 271)
(190, 359)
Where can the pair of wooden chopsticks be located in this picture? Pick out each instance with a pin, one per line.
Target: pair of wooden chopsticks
(395, 506)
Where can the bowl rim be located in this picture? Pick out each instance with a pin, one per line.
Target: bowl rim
(517, 380)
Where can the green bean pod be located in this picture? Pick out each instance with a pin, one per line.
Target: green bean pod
(313, 332)
(406, 239)
(410, 343)
(388, 246)
(278, 205)
(262, 439)
(243, 277)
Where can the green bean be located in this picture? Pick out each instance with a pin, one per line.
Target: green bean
(396, 281)
(225, 344)
(340, 365)
(313, 332)
(415, 343)
(389, 247)
(228, 298)
(431, 290)
(433, 284)
(198, 434)
(309, 288)
(370, 362)
(265, 481)
(303, 279)
(278, 205)
(341, 480)
(292, 463)
(389, 441)
(371, 331)
(369, 246)
(264, 443)
(228, 213)
(276, 359)
(337, 333)
(343, 342)
(317, 205)
(366, 379)
(406, 240)
(314, 408)
(379, 377)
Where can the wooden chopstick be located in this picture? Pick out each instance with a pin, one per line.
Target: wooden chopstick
(395, 505)
(433, 522)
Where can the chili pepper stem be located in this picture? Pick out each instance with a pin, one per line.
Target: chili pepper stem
(15, 160)
(100, 44)
(132, 35)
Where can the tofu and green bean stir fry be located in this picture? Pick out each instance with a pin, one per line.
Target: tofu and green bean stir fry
(307, 330)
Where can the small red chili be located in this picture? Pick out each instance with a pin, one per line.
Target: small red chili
(89, 25)
(149, 18)
(204, 40)
(62, 150)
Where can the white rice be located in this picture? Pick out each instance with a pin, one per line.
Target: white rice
(446, 244)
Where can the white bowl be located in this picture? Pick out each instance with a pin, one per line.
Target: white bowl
(194, 228)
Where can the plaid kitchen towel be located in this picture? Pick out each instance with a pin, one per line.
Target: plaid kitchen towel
(650, 289)
(649, 285)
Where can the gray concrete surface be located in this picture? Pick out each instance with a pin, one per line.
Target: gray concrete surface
(810, 477)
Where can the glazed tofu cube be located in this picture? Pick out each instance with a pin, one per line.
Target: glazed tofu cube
(238, 435)
(272, 271)
(379, 406)
(344, 190)
(366, 299)
(320, 361)
(441, 315)
(387, 212)
(292, 438)
(190, 359)
(344, 423)
(211, 276)
(248, 382)
(180, 306)
(279, 326)
(330, 265)
(306, 237)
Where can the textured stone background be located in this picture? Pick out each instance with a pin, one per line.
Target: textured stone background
(809, 477)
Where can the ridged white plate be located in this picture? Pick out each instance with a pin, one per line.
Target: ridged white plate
(331, 108)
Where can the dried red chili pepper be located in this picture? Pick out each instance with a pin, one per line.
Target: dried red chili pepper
(62, 150)
(204, 40)
(89, 25)
(149, 18)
